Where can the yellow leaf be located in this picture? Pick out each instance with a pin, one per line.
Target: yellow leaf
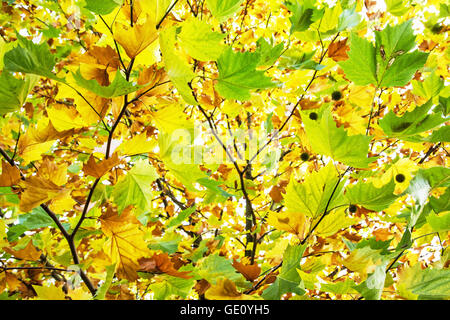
(135, 39)
(333, 222)
(56, 173)
(3, 241)
(361, 96)
(126, 242)
(330, 19)
(404, 166)
(137, 145)
(362, 260)
(49, 293)
(30, 150)
(65, 118)
(171, 118)
(62, 202)
(37, 191)
(292, 222)
(225, 289)
(79, 294)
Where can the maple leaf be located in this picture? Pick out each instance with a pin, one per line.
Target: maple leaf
(99, 169)
(338, 50)
(161, 263)
(10, 175)
(28, 253)
(314, 142)
(137, 38)
(37, 191)
(249, 271)
(125, 244)
(225, 289)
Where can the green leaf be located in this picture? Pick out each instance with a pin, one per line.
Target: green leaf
(441, 134)
(428, 88)
(360, 67)
(118, 87)
(435, 176)
(135, 187)
(51, 32)
(397, 7)
(199, 41)
(223, 9)
(372, 287)
(302, 14)
(387, 64)
(168, 243)
(237, 75)
(182, 216)
(311, 196)
(28, 57)
(433, 283)
(442, 203)
(289, 279)
(168, 286)
(13, 91)
(297, 59)
(419, 187)
(395, 64)
(103, 7)
(268, 54)
(177, 69)
(348, 19)
(327, 139)
(419, 120)
(370, 197)
(439, 223)
(214, 267)
(340, 287)
(36, 219)
(103, 289)
(176, 155)
(403, 69)
(444, 105)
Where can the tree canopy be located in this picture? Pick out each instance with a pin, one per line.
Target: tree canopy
(224, 149)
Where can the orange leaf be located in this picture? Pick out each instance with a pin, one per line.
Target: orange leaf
(28, 253)
(338, 50)
(10, 175)
(250, 271)
(98, 169)
(382, 234)
(161, 263)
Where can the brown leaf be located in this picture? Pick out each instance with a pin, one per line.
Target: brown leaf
(338, 50)
(275, 193)
(28, 253)
(307, 104)
(382, 234)
(38, 191)
(161, 263)
(98, 169)
(10, 175)
(201, 286)
(249, 271)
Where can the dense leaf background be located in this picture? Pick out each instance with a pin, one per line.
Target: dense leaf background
(234, 150)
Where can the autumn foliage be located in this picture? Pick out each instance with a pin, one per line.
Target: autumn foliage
(224, 149)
